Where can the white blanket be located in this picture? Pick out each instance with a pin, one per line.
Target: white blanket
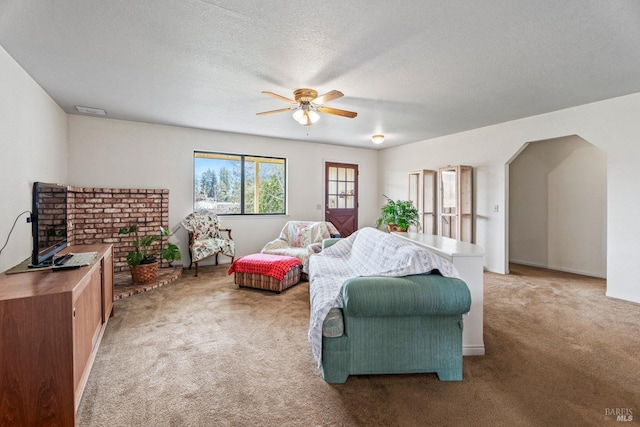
(367, 252)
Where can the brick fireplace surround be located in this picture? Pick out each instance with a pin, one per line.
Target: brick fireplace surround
(95, 215)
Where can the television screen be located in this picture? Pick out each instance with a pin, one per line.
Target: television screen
(48, 222)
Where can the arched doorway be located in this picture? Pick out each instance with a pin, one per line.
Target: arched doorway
(557, 212)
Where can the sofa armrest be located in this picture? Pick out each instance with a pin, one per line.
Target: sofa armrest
(274, 245)
(333, 324)
(422, 294)
(329, 242)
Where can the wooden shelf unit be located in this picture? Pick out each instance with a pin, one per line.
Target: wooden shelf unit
(51, 324)
(455, 202)
(422, 192)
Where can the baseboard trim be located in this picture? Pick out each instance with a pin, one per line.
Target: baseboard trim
(473, 350)
(564, 270)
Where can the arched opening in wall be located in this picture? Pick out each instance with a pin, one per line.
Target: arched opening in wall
(557, 212)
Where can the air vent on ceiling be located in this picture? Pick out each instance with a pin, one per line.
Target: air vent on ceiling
(91, 110)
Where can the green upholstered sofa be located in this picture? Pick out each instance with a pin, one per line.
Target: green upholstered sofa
(393, 325)
(398, 325)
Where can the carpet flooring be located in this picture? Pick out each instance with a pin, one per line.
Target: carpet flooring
(201, 352)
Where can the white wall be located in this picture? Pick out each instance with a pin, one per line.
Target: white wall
(611, 125)
(34, 132)
(461, 149)
(121, 154)
(33, 147)
(557, 206)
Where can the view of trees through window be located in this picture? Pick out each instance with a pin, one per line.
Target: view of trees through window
(239, 184)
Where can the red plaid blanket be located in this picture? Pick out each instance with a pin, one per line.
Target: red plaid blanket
(276, 266)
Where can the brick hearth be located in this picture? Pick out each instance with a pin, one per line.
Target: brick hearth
(123, 286)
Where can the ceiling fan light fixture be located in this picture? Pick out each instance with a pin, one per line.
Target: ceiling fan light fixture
(377, 139)
(298, 115)
(313, 116)
(305, 115)
(308, 104)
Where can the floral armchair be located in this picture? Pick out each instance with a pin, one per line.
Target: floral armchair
(301, 239)
(206, 239)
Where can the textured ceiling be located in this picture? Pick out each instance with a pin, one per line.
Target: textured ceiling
(412, 70)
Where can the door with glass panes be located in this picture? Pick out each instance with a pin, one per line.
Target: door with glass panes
(341, 196)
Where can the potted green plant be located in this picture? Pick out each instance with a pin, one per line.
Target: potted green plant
(143, 259)
(398, 215)
(171, 252)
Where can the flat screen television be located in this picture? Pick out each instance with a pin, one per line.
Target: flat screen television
(48, 222)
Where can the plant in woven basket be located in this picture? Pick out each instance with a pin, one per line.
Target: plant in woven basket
(143, 259)
(143, 250)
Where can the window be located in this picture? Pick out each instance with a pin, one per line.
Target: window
(342, 187)
(237, 184)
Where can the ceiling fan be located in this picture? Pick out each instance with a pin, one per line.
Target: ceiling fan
(308, 104)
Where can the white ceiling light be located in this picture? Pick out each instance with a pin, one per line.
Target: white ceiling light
(377, 139)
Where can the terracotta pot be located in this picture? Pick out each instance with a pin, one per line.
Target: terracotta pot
(144, 274)
(393, 227)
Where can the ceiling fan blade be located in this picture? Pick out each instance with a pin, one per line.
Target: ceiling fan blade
(280, 97)
(281, 110)
(343, 113)
(329, 96)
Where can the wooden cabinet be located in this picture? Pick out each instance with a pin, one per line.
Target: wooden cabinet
(87, 328)
(51, 324)
(455, 202)
(422, 192)
(106, 266)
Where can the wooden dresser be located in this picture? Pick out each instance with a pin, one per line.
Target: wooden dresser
(51, 324)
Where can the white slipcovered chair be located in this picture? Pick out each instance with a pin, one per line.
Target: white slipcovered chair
(301, 239)
(206, 239)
